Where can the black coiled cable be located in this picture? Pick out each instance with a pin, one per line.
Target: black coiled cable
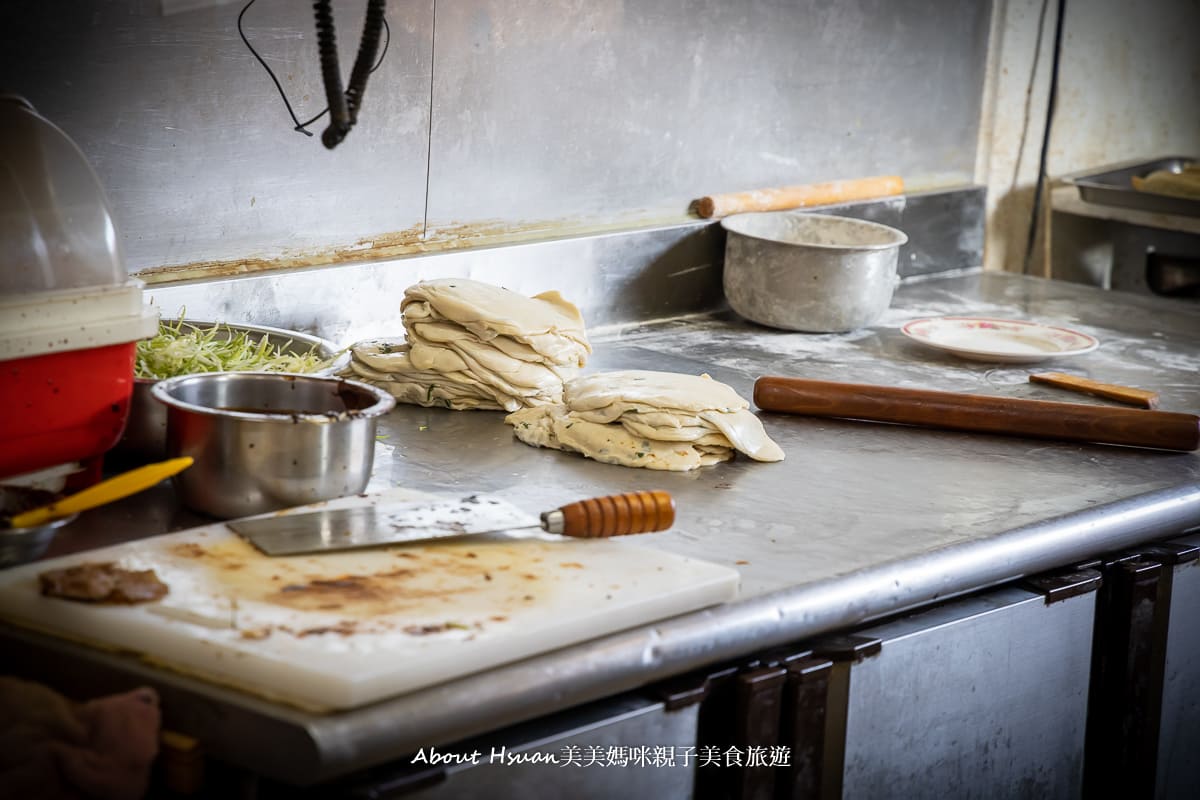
(302, 127)
(343, 106)
(331, 74)
(372, 29)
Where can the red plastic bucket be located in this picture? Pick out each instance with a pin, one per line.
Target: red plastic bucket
(63, 406)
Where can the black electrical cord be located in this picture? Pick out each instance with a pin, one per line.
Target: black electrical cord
(302, 127)
(343, 106)
(1051, 103)
(331, 75)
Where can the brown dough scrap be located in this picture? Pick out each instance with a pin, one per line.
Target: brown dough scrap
(102, 583)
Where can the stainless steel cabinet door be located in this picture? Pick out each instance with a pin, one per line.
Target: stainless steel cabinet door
(1178, 774)
(984, 697)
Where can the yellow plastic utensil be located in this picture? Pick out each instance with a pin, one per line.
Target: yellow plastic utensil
(115, 488)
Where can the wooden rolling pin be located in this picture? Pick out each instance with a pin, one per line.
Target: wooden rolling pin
(813, 194)
(968, 412)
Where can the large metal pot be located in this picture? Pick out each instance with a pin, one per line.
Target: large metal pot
(809, 272)
(267, 440)
(145, 436)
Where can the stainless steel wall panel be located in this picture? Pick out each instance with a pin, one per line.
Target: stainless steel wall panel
(623, 112)
(615, 278)
(191, 140)
(549, 117)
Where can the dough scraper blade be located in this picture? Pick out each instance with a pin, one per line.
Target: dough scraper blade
(336, 529)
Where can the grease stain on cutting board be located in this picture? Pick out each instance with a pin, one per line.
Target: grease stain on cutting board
(382, 590)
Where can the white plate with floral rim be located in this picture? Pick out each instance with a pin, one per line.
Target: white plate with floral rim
(1007, 341)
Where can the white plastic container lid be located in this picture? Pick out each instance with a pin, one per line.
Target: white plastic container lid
(74, 319)
(56, 230)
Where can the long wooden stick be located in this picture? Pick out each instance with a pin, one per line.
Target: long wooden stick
(1109, 391)
(813, 194)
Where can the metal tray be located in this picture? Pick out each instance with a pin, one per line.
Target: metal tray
(1112, 187)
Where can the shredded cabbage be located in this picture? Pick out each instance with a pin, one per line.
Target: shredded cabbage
(221, 348)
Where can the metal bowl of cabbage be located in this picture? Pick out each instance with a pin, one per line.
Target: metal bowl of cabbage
(189, 347)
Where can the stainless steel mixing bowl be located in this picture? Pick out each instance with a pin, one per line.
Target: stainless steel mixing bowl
(145, 436)
(19, 545)
(267, 440)
(809, 272)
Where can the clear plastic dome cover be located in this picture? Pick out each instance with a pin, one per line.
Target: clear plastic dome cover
(56, 231)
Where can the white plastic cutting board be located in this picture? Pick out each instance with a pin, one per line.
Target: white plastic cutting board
(337, 631)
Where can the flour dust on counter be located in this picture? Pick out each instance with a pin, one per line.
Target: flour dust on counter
(653, 420)
(340, 630)
(470, 345)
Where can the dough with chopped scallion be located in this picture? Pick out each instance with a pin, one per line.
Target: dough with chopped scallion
(654, 420)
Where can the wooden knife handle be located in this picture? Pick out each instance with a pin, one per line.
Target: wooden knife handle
(1109, 391)
(614, 515)
(968, 412)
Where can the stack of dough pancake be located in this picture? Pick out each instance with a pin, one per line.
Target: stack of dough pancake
(656, 420)
(471, 345)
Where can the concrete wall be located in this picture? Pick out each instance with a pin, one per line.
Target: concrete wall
(1129, 84)
(1128, 89)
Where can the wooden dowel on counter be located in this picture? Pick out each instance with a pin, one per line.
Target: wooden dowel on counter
(813, 194)
(1109, 391)
(968, 412)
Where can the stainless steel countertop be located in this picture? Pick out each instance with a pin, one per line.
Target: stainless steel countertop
(861, 520)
